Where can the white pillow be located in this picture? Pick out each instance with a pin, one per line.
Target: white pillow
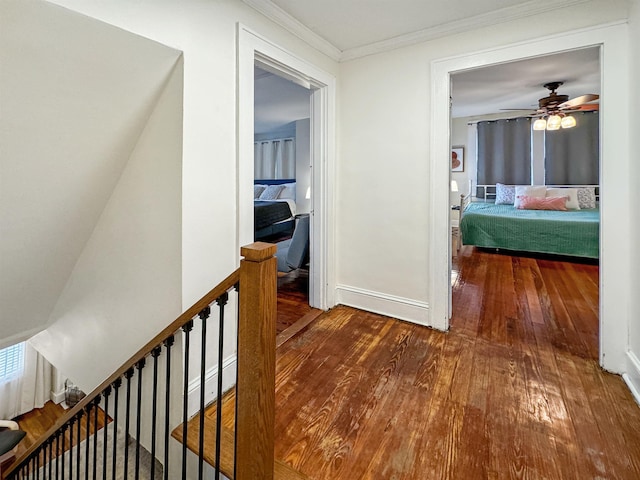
(539, 191)
(271, 192)
(572, 193)
(289, 191)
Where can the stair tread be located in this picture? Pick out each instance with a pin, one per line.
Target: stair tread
(282, 471)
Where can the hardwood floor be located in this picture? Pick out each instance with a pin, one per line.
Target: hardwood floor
(514, 390)
(37, 422)
(293, 298)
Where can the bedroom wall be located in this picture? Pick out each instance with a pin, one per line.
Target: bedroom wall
(303, 165)
(206, 32)
(77, 99)
(634, 178)
(384, 165)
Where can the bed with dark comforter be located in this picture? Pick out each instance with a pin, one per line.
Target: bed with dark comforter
(271, 218)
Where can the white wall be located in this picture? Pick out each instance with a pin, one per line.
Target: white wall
(633, 367)
(206, 32)
(75, 96)
(384, 160)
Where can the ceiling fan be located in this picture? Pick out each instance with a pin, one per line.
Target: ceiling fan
(553, 110)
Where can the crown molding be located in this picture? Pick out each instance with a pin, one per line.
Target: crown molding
(286, 21)
(494, 17)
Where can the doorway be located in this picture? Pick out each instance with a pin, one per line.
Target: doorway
(255, 50)
(612, 41)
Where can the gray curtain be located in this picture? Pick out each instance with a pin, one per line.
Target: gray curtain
(572, 155)
(504, 152)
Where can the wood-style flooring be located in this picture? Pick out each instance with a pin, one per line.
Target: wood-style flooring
(293, 298)
(513, 390)
(38, 421)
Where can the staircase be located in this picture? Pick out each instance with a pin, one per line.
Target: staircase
(147, 398)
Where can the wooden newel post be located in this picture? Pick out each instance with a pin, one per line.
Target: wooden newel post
(256, 363)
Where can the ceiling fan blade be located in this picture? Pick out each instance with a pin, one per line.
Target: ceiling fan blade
(589, 97)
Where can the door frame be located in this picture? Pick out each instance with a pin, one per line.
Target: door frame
(254, 48)
(615, 244)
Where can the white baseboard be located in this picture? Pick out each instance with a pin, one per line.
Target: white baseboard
(632, 377)
(384, 304)
(57, 397)
(229, 367)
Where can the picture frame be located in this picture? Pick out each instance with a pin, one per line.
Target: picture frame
(457, 159)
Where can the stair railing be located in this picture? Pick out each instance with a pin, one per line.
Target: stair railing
(70, 450)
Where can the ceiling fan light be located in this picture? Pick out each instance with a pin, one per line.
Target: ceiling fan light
(568, 122)
(540, 124)
(554, 122)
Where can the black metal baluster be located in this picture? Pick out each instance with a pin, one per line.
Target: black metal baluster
(221, 301)
(38, 465)
(168, 343)
(128, 374)
(155, 353)
(139, 366)
(96, 409)
(57, 454)
(204, 315)
(78, 431)
(105, 446)
(87, 443)
(185, 395)
(50, 450)
(71, 448)
(116, 388)
(62, 453)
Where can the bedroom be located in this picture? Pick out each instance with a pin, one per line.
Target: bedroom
(282, 185)
(494, 110)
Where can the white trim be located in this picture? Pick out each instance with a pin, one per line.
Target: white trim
(295, 27)
(632, 377)
(229, 367)
(385, 304)
(289, 23)
(493, 17)
(56, 397)
(251, 48)
(614, 162)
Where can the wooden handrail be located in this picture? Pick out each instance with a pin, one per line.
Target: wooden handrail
(185, 317)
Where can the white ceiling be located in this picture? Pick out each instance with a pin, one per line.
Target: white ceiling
(520, 84)
(277, 102)
(347, 29)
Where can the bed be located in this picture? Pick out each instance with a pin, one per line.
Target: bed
(274, 207)
(490, 223)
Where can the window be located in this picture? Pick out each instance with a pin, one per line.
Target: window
(11, 362)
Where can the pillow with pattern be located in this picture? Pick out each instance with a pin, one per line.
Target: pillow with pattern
(505, 194)
(587, 197)
(271, 192)
(257, 190)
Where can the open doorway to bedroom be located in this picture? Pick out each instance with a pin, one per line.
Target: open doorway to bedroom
(520, 271)
(282, 186)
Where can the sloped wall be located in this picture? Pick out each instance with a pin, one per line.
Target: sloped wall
(91, 131)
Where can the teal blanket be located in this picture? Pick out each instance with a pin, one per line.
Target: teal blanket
(574, 232)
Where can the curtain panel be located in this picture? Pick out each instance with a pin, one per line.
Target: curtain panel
(504, 151)
(274, 159)
(572, 155)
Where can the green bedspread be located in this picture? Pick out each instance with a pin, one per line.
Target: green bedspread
(574, 232)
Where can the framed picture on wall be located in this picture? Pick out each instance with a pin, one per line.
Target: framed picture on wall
(457, 159)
